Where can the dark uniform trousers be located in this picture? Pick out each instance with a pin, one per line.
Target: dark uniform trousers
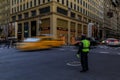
(84, 60)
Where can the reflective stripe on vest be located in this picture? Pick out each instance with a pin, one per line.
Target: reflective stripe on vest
(86, 45)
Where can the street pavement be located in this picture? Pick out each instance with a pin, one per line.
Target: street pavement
(52, 64)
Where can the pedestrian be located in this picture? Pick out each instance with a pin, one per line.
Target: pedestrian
(7, 43)
(0, 42)
(82, 53)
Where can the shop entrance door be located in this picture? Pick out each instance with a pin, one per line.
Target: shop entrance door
(26, 30)
(33, 28)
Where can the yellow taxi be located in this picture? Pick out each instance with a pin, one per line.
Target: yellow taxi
(40, 42)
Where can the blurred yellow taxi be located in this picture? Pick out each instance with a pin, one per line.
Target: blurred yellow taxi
(41, 42)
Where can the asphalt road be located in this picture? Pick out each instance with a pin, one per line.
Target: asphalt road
(52, 64)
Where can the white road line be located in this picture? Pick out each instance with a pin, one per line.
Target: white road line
(118, 53)
(103, 46)
(104, 52)
(62, 49)
(1, 48)
(74, 50)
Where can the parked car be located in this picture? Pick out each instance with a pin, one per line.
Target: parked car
(41, 42)
(111, 42)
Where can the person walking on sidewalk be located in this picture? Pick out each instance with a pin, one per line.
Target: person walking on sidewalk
(7, 43)
(83, 51)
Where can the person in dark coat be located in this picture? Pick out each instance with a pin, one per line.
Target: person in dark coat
(7, 43)
(82, 53)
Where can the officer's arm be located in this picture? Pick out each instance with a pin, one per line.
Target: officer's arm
(80, 48)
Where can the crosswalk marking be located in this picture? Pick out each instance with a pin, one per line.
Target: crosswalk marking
(6, 47)
(74, 50)
(104, 52)
(118, 53)
(61, 49)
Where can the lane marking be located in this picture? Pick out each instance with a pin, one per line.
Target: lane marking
(104, 52)
(74, 63)
(118, 53)
(62, 49)
(74, 50)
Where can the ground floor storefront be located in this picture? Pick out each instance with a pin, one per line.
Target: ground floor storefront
(57, 25)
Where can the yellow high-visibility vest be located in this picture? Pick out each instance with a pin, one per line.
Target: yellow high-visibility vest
(86, 45)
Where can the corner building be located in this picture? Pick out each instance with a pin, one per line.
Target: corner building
(68, 18)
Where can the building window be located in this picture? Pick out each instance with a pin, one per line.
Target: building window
(79, 17)
(26, 15)
(26, 29)
(43, 1)
(74, 6)
(62, 11)
(58, 0)
(84, 3)
(23, 6)
(33, 13)
(13, 18)
(19, 31)
(78, 8)
(17, 1)
(83, 11)
(12, 10)
(89, 20)
(44, 10)
(67, 2)
(20, 28)
(27, 5)
(34, 2)
(20, 7)
(81, 1)
(72, 15)
(30, 3)
(12, 2)
(62, 1)
(17, 8)
(38, 1)
(85, 19)
(19, 16)
(71, 5)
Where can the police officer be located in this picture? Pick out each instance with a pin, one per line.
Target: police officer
(83, 52)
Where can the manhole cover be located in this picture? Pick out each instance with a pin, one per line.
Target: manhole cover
(74, 63)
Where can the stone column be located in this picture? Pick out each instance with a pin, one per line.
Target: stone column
(53, 25)
(69, 32)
